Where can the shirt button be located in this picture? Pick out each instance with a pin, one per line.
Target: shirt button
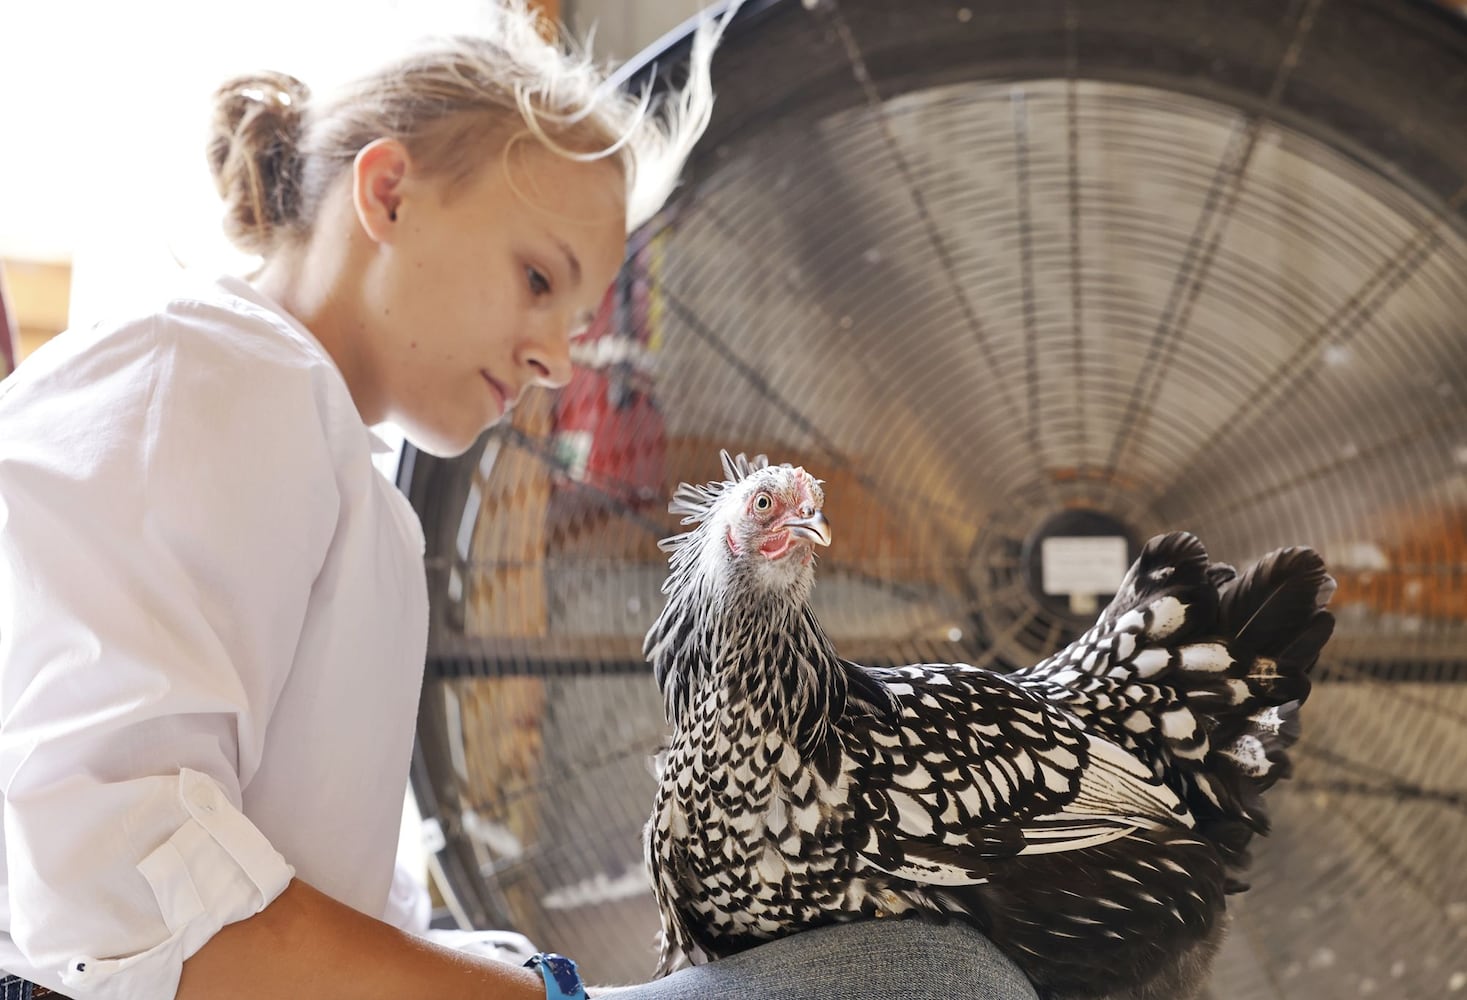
(204, 797)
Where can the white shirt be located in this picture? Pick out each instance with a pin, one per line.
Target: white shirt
(213, 618)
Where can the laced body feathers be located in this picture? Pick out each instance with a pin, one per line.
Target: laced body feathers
(1089, 814)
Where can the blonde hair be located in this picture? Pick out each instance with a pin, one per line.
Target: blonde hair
(455, 104)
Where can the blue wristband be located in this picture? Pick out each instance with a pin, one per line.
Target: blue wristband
(562, 981)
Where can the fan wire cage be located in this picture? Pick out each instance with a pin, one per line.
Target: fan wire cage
(1005, 277)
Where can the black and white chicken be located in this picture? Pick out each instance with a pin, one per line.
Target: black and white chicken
(1089, 813)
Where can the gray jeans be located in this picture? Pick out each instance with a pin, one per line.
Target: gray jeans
(872, 960)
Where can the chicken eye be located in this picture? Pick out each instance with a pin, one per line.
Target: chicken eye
(763, 502)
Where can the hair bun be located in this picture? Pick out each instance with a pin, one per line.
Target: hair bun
(254, 155)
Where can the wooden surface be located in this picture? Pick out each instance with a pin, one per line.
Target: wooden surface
(1426, 575)
(39, 296)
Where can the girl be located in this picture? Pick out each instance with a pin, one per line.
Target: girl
(212, 607)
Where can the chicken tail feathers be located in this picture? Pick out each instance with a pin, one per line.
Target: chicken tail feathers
(1201, 671)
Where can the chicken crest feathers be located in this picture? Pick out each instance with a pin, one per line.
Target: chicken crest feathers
(695, 501)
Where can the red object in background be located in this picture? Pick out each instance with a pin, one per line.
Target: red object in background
(608, 432)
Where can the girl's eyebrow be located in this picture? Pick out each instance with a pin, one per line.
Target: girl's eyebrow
(571, 261)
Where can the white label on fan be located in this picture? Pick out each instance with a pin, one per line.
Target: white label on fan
(1082, 565)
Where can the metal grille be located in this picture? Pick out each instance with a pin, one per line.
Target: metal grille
(987, 271)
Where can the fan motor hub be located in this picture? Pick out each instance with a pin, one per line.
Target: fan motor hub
(1074, 560)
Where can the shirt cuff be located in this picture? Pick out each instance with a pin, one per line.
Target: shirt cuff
(216, 869)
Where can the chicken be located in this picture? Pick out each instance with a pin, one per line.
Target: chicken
(1089, 813)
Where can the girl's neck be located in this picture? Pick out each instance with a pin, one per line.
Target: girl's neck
(317, 280)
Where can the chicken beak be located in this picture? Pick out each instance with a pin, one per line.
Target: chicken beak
(814, 528)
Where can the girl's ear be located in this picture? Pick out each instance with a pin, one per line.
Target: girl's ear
(377, 187)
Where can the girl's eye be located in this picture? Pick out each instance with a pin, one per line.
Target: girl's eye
(763, 502)
(539, 284)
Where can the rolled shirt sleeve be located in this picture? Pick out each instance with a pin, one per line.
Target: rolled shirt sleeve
(215, 869)
(160, 532)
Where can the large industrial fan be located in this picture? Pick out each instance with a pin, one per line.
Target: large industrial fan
(1015, 280)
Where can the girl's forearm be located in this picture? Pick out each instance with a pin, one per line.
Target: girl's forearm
(307, 944)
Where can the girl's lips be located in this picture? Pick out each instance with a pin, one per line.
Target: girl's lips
(500, 393)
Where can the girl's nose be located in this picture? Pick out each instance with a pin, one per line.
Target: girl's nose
(547, 355)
